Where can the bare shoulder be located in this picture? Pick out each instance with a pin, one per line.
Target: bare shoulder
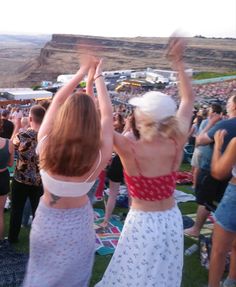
(122, 144)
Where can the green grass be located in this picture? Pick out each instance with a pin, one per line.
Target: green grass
(193, 274)
(209, 75)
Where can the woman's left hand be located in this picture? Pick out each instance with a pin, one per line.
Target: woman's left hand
(219, 138)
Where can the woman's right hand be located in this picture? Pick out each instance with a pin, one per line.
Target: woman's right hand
(175, 49)
(88, 62)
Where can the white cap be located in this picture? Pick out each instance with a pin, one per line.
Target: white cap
(156, 104)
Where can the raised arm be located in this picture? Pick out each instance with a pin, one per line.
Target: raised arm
(221, 164)
(61, 96)
(90, 82)
(175, 54)
(105, 107)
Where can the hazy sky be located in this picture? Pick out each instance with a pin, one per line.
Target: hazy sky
(128, 18)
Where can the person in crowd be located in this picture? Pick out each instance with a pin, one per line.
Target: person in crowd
(224, 233)
(209, 190)
(16, 115)
(45, 104)
(7, 126)
(150, 248)
(197, 126)
(118, 122)
(75, 144)
(6, 159)
(202, 161)
(130, 129)
(24, 123)
(115, 171)
(26, 179)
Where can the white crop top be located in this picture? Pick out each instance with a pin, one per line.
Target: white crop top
(234, 171)
(67, 188)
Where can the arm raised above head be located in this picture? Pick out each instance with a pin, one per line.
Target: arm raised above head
(63, 93)
(90, 82)
(175, 53)
(105, 107)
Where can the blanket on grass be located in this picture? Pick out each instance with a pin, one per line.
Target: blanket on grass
(106, 238)
(184, 177)
(207, 227)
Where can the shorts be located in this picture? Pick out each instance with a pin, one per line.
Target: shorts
(195, 161)
(225, 214)
(209, 191)
(4, 182)
(115, 170)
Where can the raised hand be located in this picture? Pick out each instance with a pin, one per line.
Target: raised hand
(88, 62)
(175, 49)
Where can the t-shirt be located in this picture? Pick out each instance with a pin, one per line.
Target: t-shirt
(229, 125)
(205, 150)
(17, 115)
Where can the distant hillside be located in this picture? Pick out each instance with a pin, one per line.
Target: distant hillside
(60, 56)
(33, 39)
(16, 51)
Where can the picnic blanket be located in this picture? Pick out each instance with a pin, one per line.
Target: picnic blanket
(181, 196)
(184, 177)
(106, 238)
(207, 227)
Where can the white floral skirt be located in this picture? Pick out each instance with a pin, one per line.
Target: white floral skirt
(149, 252)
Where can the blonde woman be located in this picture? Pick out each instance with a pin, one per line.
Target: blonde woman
(75, 144)
(150, 249)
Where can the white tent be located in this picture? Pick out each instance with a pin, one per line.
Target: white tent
(28, 95)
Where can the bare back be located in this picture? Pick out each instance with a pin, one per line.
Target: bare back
(159, 157)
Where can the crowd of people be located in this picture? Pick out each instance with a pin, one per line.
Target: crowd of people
(220, 91)
(62, 149)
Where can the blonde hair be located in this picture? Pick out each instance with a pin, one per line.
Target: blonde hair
(72, 146)
(149, 128)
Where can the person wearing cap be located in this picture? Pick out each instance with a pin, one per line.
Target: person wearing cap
(7, 126)
(150, 248)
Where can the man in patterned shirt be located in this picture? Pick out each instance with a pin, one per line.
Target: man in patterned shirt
(27, 181)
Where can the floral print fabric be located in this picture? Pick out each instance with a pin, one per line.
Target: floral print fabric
(149, 252)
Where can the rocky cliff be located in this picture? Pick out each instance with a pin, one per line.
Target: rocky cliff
(61, 55)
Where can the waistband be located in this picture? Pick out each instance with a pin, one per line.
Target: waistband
(46, 208)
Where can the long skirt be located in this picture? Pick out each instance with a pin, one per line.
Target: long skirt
(149, 252)
(62, 246)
